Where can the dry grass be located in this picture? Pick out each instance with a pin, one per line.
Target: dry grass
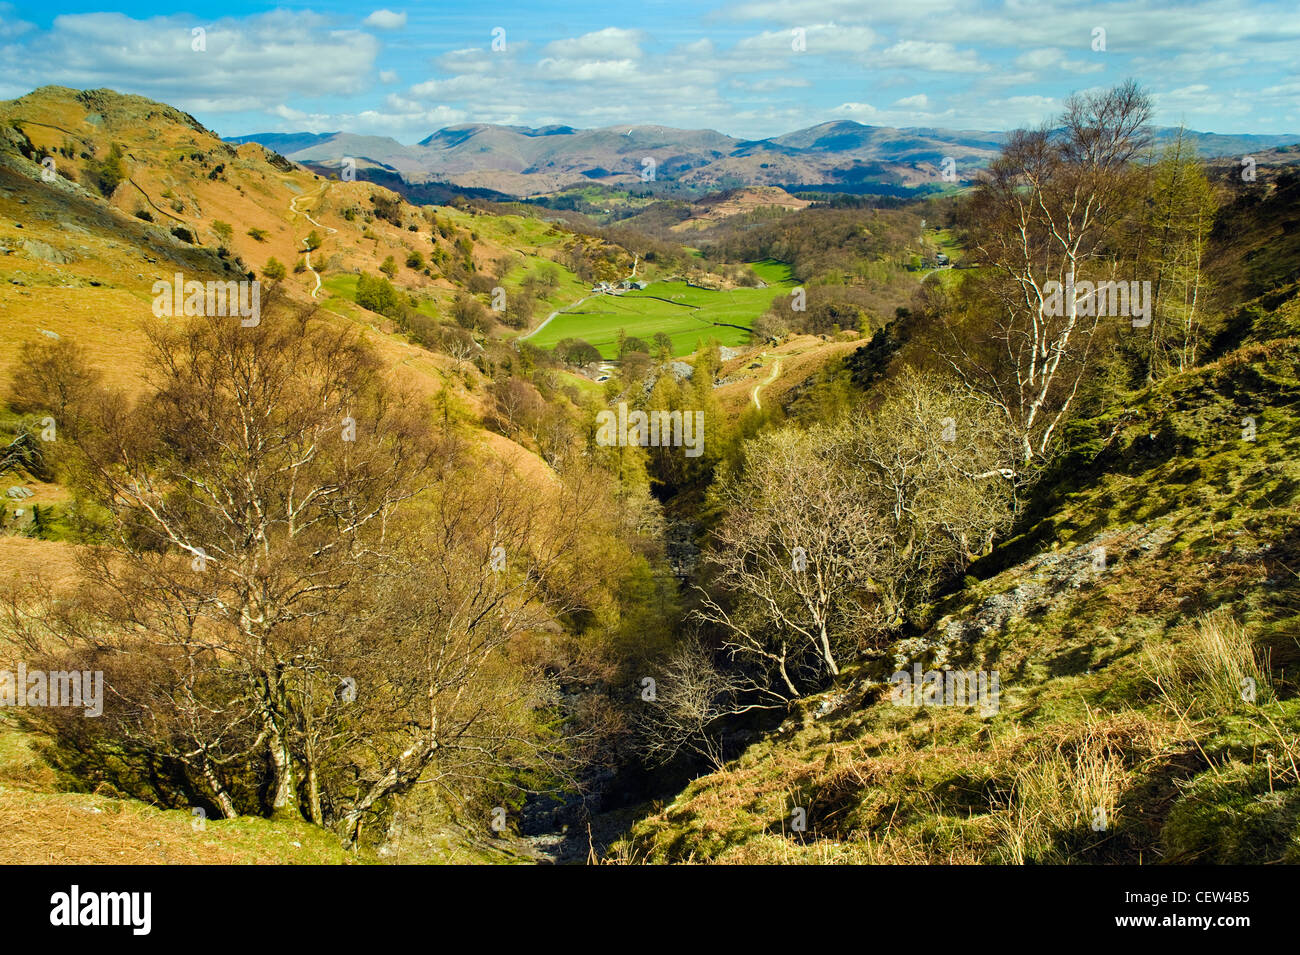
(70, 829)
(1214, 669)
(801, 357)
(1059, 793)
(25, 559)
(1069, 789)
(43, 826)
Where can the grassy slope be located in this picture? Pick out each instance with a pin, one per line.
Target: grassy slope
(99, 295)
(1192, 518)
(44, 825)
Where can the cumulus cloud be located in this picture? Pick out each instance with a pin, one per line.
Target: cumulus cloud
(245, 61)
(609, 43)
(930, 57)
(991, 64)
(856, 111)
(1053, 59)
(385, 20)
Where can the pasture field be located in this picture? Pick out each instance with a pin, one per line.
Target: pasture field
(685, 314)
(568, 287)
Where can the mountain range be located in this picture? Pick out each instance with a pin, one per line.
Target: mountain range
(843, 155)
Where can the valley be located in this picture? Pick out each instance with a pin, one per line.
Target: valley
(369, 582)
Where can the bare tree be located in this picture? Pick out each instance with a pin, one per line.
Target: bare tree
(1044, 213)
(440, 700)
(830, 535)
(692, 695)
(458, 344)
(308, 604)
(788, 552)
(518, 405)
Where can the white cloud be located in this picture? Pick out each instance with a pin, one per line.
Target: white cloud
(919, 101)
(609, 43)
(819, 38)
(245, 60)
(856, 111)
(400, 124)
(1051, 59)
(388, 76)
(1039, 59)
(931, 57)
(386, 20)
(590, 71)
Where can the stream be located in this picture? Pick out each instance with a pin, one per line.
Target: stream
(570, 831)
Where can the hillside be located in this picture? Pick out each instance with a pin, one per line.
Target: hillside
(738, 202)
(187, 201)
(1107, 675)
(1141, 615)
(102, 195)
(82, 251)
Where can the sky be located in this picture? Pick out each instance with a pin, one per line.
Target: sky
(751, 68)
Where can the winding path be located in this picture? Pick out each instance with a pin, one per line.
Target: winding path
(776, 370)
(293, 207)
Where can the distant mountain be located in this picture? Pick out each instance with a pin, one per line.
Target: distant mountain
(1215, 145)
(521, 161)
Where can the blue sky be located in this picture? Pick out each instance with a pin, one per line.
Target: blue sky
(749, 68)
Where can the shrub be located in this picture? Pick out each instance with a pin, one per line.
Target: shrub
(378, 295)
(576, 352)
(390, 210)
(112, 171)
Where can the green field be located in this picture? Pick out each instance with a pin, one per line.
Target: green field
(685, 314)
(567, 289)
